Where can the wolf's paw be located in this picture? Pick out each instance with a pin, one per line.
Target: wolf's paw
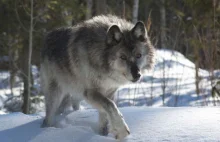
(120, 129)
(103, 130)
(46, 124)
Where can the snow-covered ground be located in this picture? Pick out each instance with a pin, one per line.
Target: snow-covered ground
(185, 124)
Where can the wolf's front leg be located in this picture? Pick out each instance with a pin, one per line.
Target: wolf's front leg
(103, 124)
(103, 104)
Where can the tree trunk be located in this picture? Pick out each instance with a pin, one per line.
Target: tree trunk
(89, 4)
(120, 10)
(101, 7)
(24, 75)
(27, 82)
(135, 11)
(197, 73)
(13, 56)
(163, 24)
(196, 64)
(164, 83)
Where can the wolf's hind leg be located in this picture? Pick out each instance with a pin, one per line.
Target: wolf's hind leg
(66, 105)
(75, 104)
(53, 98)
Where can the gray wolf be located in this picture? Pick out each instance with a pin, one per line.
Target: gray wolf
(90, 61)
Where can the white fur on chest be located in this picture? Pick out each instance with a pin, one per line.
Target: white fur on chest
(108, 85)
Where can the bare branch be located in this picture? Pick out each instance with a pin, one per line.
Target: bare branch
(18, 18)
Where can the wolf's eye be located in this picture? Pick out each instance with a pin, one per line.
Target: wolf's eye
(138, 55)
(123, 57)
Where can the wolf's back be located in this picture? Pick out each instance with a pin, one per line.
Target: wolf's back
(93, 30)
(55, 44)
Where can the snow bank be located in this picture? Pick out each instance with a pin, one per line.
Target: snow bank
(146, 124)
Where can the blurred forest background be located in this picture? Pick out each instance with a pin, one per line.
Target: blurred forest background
(191, 27)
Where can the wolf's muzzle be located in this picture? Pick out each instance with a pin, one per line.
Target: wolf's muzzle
(135, 73)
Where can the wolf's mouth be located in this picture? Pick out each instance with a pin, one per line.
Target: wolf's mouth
(134, 79)
(125, 76)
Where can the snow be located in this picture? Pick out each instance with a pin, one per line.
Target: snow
(146, 124)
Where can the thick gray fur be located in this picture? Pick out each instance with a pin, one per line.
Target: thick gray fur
(90, 61)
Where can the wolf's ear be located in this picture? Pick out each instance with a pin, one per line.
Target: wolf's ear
(139, 31)
(114, 35)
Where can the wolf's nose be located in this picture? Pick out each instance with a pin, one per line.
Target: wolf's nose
(136, 77)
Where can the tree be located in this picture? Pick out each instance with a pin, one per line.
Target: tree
(101, 7)
(26, 104)
(163, 24)
(89, 4)
(120, 8)
(135, 11)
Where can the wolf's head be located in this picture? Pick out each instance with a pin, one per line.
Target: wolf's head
(129, 51)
